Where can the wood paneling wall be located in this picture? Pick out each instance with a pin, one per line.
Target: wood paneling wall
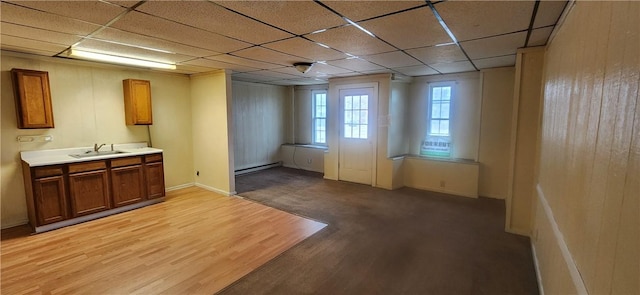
(589, 180)
(259, 122)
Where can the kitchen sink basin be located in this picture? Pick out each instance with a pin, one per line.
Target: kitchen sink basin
(89, 154)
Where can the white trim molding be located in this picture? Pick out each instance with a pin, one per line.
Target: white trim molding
(566, 254)
(215, 190)
(180, 186)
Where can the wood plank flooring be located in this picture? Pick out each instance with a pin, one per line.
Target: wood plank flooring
(196, 242)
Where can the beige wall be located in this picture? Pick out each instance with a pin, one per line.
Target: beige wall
(88, 108)
(452, 177)
(212, 118)
(259, 123)
(495, 132)
(301, 157)
(589, 179)
(524, 139)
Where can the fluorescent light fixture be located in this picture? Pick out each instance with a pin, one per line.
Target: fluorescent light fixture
(82, 54)
(445, 44)
(359, 27)
(325, 46)
(132, 45)
(318, 31)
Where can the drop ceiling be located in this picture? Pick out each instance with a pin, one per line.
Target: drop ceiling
(260, 40)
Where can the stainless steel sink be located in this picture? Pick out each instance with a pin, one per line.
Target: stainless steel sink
(89, 154)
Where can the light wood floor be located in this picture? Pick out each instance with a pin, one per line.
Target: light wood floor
(196, 242)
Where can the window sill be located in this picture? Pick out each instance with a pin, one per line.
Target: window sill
(438, 159)
(311, 146)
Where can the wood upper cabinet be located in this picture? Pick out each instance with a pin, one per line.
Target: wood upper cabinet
(137, 102)
(88, 188)
(33, 99)
(127, 181)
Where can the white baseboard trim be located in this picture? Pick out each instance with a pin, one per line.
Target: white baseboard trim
(537, 266)
(516, 231)
(566, 254)
(15, 223)
(215, 190)
(177, 187)
(258, 168)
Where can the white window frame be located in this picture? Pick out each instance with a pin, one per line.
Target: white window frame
(450, 84)
(315, 118)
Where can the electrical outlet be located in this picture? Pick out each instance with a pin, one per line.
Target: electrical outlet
(443, 183)
(197, 173)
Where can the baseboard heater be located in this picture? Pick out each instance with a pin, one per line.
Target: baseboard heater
(257, 168)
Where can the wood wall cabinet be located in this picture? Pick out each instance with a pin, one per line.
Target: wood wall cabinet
(127, 181)
(154, 171)
(88, 188)
(137, 102)
(33, 99)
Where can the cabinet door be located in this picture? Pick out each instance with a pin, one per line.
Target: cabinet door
(33, 99)
(155, 180)
(50, 200)
(127, 185)
(137, 102)
(89, 192)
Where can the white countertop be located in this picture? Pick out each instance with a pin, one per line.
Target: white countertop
(62, 156)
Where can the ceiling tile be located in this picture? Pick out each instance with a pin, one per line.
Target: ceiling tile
(298, 17)
(410, 29)
(548, 13)
(355, 64)
(123, 3)
(476, 19)
(37, 19)
(350, 39)
(30, 46)
(276, 74)
(305, 48)
(361, 10)
(453, 67)
(392, 59)
(251, 77)
(438, 54)
(289, 70)
(417, 71)
(540, 36)
(319, 70)
(495, 62)
(137, 22)
(96, 12)
(39, 34)
(133, 52)
(268, 55)
(494, 46)
(115, 35)
(244, 62)
(214, 64)
(199, 14)
(192, 69)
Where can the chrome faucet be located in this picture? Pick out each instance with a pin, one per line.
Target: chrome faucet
(97, 147)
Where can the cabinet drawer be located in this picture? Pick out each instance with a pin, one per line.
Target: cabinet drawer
(153, 158)
(47, 171)
(126, 161)
(87, 166)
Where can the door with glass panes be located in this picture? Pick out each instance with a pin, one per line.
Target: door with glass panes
(357, 122)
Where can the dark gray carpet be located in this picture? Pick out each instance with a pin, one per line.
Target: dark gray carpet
(405, 241)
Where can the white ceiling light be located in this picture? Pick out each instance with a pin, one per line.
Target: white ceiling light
(82, 54)
(303, 67)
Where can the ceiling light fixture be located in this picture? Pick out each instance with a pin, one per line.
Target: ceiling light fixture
(359, 27)
(82, 54)
(303, 67)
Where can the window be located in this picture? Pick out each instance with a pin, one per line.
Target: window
(319, 121)
(438, 138)
(356, 116)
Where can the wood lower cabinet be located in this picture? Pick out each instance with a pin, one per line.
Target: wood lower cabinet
(154, 170)
(127, 181)
(89, 192)
(60, 193)
(50, 199)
